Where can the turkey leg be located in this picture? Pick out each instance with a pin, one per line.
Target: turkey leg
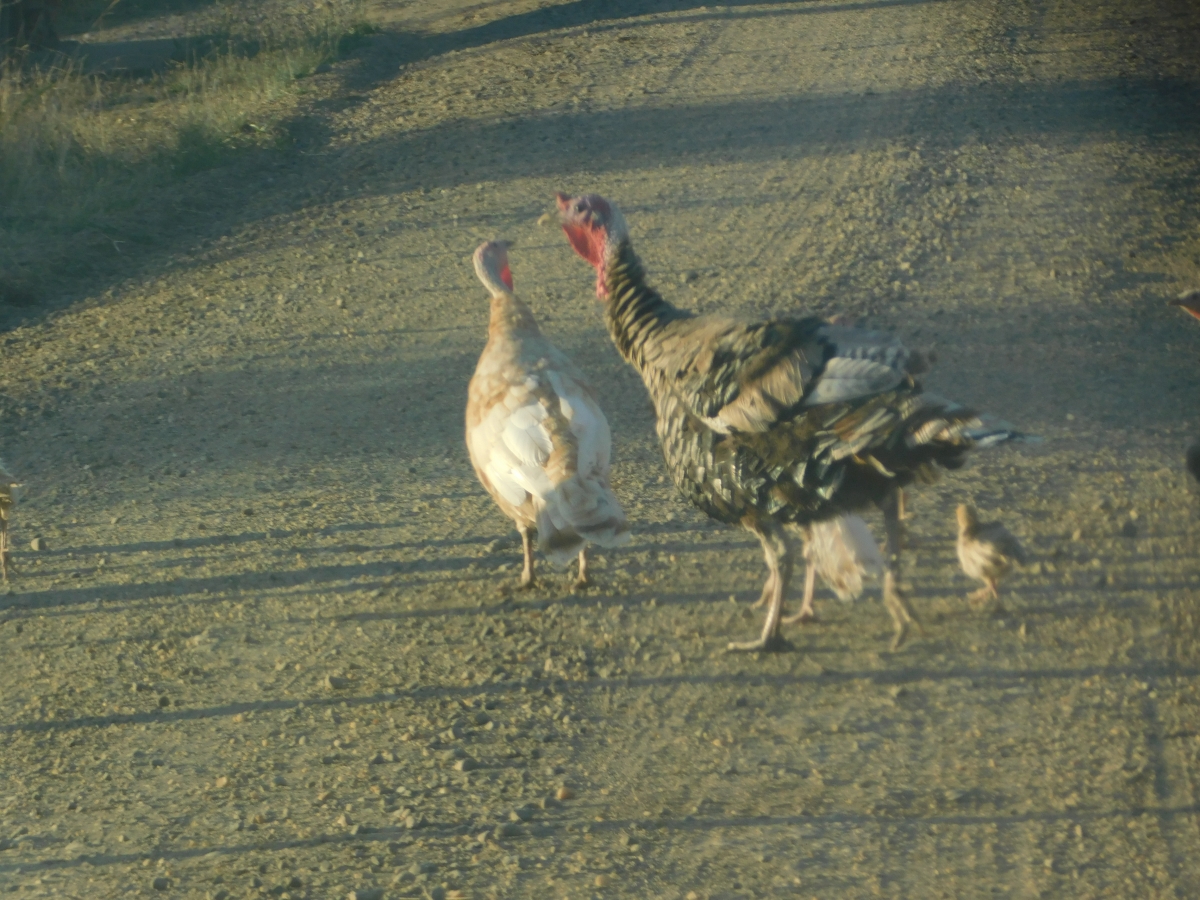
(527, 545)
(582, 580)
(901, 612)
(806, 613)
(777, 548)
(979, 598)
(766, 592)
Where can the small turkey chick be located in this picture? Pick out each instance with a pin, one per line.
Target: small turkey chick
(987, 551)
(536, 436)
(10, 492)
(842, 551)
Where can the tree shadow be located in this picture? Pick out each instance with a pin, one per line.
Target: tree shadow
(406, 48)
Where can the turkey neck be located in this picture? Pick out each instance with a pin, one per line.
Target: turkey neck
(635, 310)
(511, 316)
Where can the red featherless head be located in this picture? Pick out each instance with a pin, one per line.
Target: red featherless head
(595, 229)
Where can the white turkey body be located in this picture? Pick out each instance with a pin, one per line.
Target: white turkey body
(537, 438)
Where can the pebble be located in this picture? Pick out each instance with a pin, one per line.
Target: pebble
(38, 543)
(336, 682)
(343, 820)
(161, 883)
(602, 881)
(521, 814)
(222, 781)
(466, 765)
(564, 793)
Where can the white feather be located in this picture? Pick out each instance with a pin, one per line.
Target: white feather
(513, 446)
(843, 551)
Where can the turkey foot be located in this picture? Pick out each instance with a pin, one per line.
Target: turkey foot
(806, 614)
(776, 643)
(978, 599)
(778, 551)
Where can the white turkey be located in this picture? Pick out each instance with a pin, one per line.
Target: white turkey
(536, 435)
(778, 422)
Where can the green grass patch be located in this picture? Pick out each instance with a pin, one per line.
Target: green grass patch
(80, 153)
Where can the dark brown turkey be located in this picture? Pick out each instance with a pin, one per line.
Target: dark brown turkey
(777, 423)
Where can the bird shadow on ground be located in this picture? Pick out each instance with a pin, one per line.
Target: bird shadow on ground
(899, 675)
(838, 822)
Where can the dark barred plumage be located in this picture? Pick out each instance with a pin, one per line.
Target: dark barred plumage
(811, 462)
(775, 425)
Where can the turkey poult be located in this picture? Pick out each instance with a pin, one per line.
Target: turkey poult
(763, 424)
(987, 551)
(536, 436)
(9, 494)
(843, 552)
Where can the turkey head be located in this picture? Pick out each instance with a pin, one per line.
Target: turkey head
(491, 265)
(594, 229)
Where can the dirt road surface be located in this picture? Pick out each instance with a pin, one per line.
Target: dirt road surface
(271, 645)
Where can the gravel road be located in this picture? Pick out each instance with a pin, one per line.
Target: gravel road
(272, 646)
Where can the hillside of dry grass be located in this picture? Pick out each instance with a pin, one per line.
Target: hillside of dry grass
(96, 155)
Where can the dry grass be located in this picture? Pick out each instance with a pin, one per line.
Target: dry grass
(78, 153)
